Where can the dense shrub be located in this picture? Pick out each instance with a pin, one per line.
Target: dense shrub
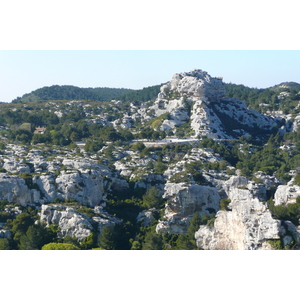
(59, 246)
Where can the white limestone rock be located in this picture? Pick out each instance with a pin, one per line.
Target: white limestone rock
(197, 83)
(116, 184)
(14, 190)
(146, 217)
(198, 98)
(247, 226)
(286, 194)
(183, 200)
(86, 188)
(46, 184)
(268, 180)
(70, 222)
(78, 163)
(13, 165)
(149, 180)
(75, 224)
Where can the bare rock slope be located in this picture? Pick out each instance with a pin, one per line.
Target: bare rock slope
(198, 99)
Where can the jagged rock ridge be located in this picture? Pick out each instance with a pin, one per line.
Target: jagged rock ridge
(197, 99)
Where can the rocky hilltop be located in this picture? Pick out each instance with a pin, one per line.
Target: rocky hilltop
(198, 101)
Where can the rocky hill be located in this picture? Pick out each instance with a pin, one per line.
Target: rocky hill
(191, 168)
(285, 85)
(197, 101)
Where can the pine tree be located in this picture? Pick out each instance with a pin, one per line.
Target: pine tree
(153, 241)
(194, 224)
(107, 238)
(184, 242)
(152, 198)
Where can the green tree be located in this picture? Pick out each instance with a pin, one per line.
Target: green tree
(93, 145)
(89, 242)
(184, 242)
(136, 245)
(71, 240)
(139, 146)
(195, 223)
(21, 223)
(224, 204)
(4, 244)
(160, 167)
(152, 198)
(107, 239)
(152, 241)
(35, 237)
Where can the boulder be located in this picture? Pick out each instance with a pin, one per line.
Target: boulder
(146, 217)
(14, 190)
(247, 226)
(70, 222)
(183, 200)
(14, 165)
(75, 224)
(86, 188)
(286, 194)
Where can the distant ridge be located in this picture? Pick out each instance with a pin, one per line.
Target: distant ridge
(143, 95)
(70, 92)
(285, 85)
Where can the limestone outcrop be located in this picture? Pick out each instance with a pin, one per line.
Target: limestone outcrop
(14, 190)
(75, 224)
(86, 188)
(197, 98)
(286, 194)
(248, 225)
(183, 200)
(195, 83)
(83, 180)
(147, 216)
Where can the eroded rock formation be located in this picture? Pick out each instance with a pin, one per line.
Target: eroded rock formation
(248, 225)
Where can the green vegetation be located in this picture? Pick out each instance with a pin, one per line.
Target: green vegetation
(4, 244)
(140, 96)
(156, 123)
(276, 244)
(69, 92)
(152, 198)
(224, 204)
(254, 97)
(289, 212)
(59, 246)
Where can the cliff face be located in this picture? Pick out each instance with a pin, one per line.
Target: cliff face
(183, 200)
(248, 225)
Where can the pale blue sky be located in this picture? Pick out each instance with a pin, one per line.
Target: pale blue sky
(24, 71)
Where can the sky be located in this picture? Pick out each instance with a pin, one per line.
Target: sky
(23, 71)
